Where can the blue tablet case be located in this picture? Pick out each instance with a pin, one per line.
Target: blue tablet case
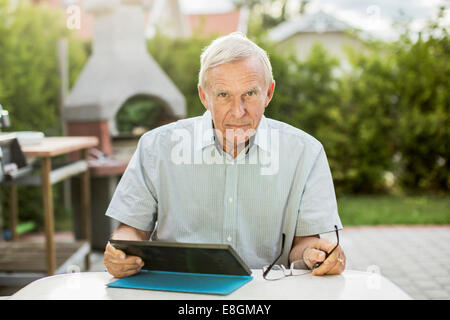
(183, 282)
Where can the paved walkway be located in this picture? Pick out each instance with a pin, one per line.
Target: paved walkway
(417, 259)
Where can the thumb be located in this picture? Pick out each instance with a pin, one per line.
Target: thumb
(115, 252)
(311, 256)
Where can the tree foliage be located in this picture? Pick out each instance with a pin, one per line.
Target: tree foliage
(29, 81)
(387, 116)
(423, 130)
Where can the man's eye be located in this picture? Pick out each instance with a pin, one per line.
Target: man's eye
(223, 94)
(251, 93)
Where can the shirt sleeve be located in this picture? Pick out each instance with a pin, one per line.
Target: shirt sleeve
(318, 212)
(134, 201)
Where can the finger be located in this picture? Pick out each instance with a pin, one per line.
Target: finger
(114, 252)
(120, 265)
(124, 268)
(324, 268)
(130, 260)
(118, 256)
(122, 274)
(327, 265)
(340, 265)
(312, 256)
(323, 245)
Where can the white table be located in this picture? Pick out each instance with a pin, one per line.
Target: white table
(92, 286)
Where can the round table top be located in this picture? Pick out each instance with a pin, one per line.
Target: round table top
(348, 286)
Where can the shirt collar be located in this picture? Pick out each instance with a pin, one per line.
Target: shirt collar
(262, 136)
(207, 136)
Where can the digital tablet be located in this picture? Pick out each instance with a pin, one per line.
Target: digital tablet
(185, 257)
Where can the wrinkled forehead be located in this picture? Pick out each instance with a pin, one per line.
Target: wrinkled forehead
(248, 72)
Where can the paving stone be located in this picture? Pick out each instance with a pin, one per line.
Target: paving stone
(427, 284)
(402, 282)
(417, 276)
(437, 272)
(419, 296)
(443, 281)
(417, 259)
(409, 288)
(437, 294)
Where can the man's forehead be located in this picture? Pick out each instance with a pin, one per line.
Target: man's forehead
(247, 63)
(249, 69)
(247, 80)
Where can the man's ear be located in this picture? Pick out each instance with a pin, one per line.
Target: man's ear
(202, 95)
(269, 93)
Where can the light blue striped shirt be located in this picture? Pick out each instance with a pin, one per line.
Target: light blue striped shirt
(199, 194)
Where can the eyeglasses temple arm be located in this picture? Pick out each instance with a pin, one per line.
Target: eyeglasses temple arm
(281, 253)
(318, 264)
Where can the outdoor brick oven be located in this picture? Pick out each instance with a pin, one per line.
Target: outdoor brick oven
(118, 69)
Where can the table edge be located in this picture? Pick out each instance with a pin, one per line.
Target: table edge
(89, 142)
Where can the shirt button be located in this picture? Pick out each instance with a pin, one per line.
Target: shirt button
(229, 239)
(230, 199)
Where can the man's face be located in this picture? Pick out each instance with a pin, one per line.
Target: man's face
(236, 95)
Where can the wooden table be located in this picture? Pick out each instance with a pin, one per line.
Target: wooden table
(348, 285)
(51, 147)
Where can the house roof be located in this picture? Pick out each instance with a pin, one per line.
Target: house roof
(190, 7)
(222, 18)
(221, 23)
(319, 22)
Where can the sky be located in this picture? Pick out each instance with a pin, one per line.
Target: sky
(372, 16)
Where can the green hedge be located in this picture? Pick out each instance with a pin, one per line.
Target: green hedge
(30, 84)
(29, 78)
(386, 117)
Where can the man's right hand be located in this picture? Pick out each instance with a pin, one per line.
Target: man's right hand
(119, 264)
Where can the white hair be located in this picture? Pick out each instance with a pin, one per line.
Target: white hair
(233, 47)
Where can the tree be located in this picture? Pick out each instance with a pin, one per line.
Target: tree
(423, 130)
(265, 14)
(29, 81)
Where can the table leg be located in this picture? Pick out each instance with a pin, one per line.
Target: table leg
(86, 205)
(47, 196)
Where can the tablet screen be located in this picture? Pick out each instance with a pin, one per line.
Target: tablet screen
(185, 257)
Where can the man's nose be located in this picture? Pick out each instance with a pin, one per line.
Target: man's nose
(238, 109)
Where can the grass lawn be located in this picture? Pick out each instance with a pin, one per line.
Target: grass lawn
(388, 210)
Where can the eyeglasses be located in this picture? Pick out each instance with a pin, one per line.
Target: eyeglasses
(318, 264)
(276, 272)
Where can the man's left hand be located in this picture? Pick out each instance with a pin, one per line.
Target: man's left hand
(316, 252)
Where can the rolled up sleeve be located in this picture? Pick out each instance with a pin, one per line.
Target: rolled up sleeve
(318, 211)
(134, 201)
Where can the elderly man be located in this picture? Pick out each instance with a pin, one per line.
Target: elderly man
(231, 175)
